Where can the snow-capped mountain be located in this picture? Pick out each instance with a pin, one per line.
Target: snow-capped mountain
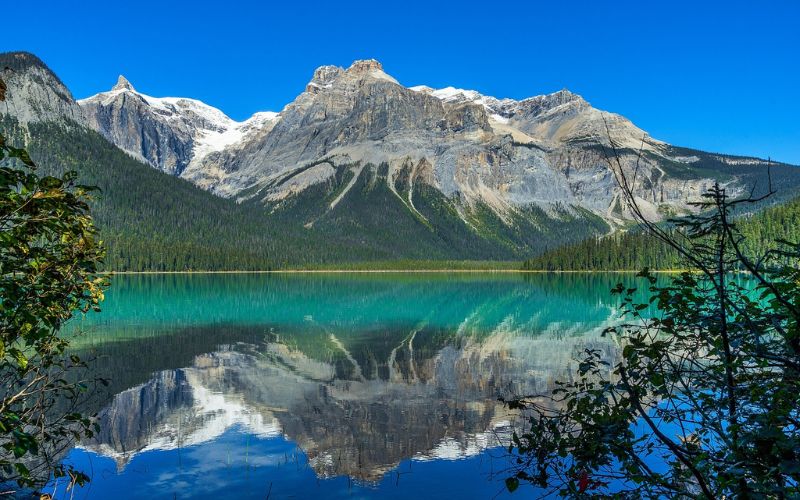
(361, 166)
(504, 154)
(543, 117)
(169, 133)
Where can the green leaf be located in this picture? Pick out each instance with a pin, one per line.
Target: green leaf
(512, 484)
(19, 357)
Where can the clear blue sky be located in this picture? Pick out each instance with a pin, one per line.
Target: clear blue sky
(721, 76)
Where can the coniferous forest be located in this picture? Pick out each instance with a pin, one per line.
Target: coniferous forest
(635, 250)
(151, 221)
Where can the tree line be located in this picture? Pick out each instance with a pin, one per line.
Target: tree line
(637, 249)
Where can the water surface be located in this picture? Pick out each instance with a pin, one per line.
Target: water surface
(325, 385)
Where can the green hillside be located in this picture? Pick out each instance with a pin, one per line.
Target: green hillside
(636, 250)
(372, 216)
(151, 221)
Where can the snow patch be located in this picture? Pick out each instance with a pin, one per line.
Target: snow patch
(498, 109)
(212, 130)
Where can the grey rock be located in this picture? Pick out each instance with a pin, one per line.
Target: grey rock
(168, 133)
(507, 154)
(34, 93)
(547, 151)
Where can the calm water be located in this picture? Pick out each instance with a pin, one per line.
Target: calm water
(324, 385)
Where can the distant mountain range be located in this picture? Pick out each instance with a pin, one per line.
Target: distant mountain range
(370, 169)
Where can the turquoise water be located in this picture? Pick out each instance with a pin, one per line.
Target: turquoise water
(324, 385)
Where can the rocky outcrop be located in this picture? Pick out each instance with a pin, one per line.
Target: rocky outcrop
(34, 93)
(128, 120)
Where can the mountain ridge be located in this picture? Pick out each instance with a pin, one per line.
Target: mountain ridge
(357, 168)
(507, 154)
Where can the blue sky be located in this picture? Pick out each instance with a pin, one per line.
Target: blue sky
(719, 76)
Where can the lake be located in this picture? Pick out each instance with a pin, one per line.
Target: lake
(325, 385)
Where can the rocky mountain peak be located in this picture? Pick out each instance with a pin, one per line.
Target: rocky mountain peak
(123, 84)
(323, 77)
(430, 155)
(326, 74)
(33, 92)
(169, 133)
(365, 66)
(565, 95)
(367, 69)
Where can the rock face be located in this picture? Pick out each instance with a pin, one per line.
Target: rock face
(456, 174)
(168, 133)
(544, 151)
(34, 93)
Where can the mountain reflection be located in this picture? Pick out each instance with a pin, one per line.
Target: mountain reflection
(412, 370)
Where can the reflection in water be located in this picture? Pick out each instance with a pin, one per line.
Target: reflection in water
(360, 372)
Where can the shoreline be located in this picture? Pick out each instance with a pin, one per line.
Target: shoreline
(400, 271)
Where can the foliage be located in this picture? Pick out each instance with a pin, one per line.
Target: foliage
(48, 270)
(702, 400)
(621, 251)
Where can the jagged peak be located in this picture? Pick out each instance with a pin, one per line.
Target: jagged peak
(325, 75)
(365, 65)
(371, 68)
(568, 95)
(123, 84)
(559, 97)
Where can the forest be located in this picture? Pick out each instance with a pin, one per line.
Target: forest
(151, 221)
(634, 250)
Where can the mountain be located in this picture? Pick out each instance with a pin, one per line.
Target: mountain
(148, 219)
(358, 167)
(506, 155)
(34, 93)
(168, 133)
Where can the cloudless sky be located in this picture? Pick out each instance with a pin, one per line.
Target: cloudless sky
(720, 76)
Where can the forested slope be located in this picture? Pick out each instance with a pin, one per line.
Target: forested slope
(151, 221)
(636, 250)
